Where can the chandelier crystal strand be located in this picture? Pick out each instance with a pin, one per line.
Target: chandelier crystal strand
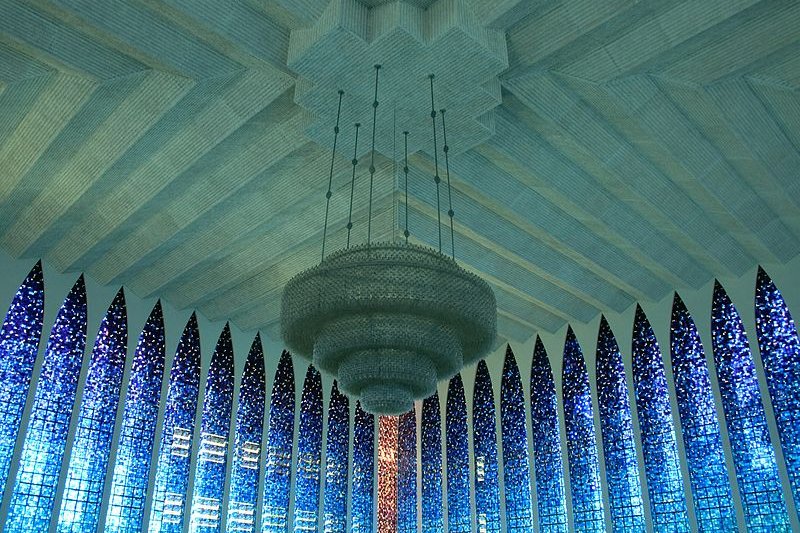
(352, 186)
(450, 212)
(372, 155)
(405, 172)
(329, 193)
(436, 177)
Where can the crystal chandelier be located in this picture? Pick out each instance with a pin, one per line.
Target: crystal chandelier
(389, 320)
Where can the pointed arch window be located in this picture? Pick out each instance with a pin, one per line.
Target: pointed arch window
(459, 515)
(487, 489)
(363, 471)
(407, 473)
(309, 450)
(431, 454)
(337, 454)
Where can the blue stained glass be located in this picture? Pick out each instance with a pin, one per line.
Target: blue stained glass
(705, 458)
(309, 450)
(431, 451)
(516, 461)
(459, 514)
(616, 425)
(780, 353)
(407, 473)
(584, 472)
(337, 453)
(280, 437)
(91, 447)
(363, 471)
(212, 455)
(547, 460)
(135, 446)
(753, 454)
(247, 446)
(177, 435)
(43, 449)
(659, 447)
(19, 344)
(484, 443)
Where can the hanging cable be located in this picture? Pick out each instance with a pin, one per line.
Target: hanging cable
(450, 212)
(405, 171)
(372, 156)
(352, 186)
(436, 177)
(329, 193)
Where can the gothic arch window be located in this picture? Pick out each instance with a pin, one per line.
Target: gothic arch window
(309, 450)
(407, 473)
(431, 451)
(484, 435)
(459, 515)
(337, 454)
(363, 471)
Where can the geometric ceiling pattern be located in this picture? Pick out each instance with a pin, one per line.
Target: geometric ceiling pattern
(634, 148)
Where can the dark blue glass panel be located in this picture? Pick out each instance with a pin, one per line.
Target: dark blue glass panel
(780, 353)
(43, 449)
(363, 471)
(431, 450)
(247, 446)
(19, 344)
(407, 473)
(172, 473)
(459, 514)
(753, 454)
(135, 446)
(212, 455)
(659, 447)
(547, 459)
(280, 438)
(484, 443)
(337, 454)
(91, 447)
(309, 450)
(584, 472)
(705, 458)
(616, 425)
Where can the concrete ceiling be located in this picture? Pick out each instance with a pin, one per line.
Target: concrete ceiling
(635, 147)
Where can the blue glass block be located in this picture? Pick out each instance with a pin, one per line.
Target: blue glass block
(616, 426)
(243, 495)
(280, 438)
(431, 452)
(753, 454)
(705, 458)
(177, 435)
(212, 455)
(363, 472)
(34, 490)
(484, 444)
(407, 473)
(19, 344)
(516, 461)
(659, 446)
(309, 451)
(91, 447)
(584, 472)
(459, 514)
(337, 454)
(780, 354)
(129, 483)
(547, 459)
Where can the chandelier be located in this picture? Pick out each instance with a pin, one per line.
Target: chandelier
(389, 320)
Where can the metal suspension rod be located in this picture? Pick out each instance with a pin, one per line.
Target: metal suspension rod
(405, 171)
(372, 156)
(352, 186)
(436, 177)
(450, 212)
(329, 193)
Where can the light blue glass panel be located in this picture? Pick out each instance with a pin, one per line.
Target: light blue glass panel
(19, 344)
(459, 514)
(659, 447)
(711, 490)
(547, 460)
(212, 455)
(363, 471)
(337, 455)
(484, 443)
(407, 473)
(172, 473)
(91, 447)
(616, 425)
(753, 454)
(43, 448)
(309, 450)
(243, 495)
(584, 472)
(780, 353)
(129, 483)
(280, 438)
(431, 450)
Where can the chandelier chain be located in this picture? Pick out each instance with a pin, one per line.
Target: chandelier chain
(372, 155)
(450, 212)
(329, 193)
(352, 185)
(405, 172)
(436, 178)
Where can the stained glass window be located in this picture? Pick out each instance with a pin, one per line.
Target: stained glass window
(177, 435)
(212, 455)
(309, 449)
(280, 437)
(407, 473)
(86, 473)
(780, 353)
(616, 425)
(753, 454)
(387, 474)
(459, 515)
(247, 446)
(484, 435)
(584, 472)
(547, 460)
(431, 452)
(43, 449)
(705, 458)
(363, 471)
(337, 453)
(135, 446)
